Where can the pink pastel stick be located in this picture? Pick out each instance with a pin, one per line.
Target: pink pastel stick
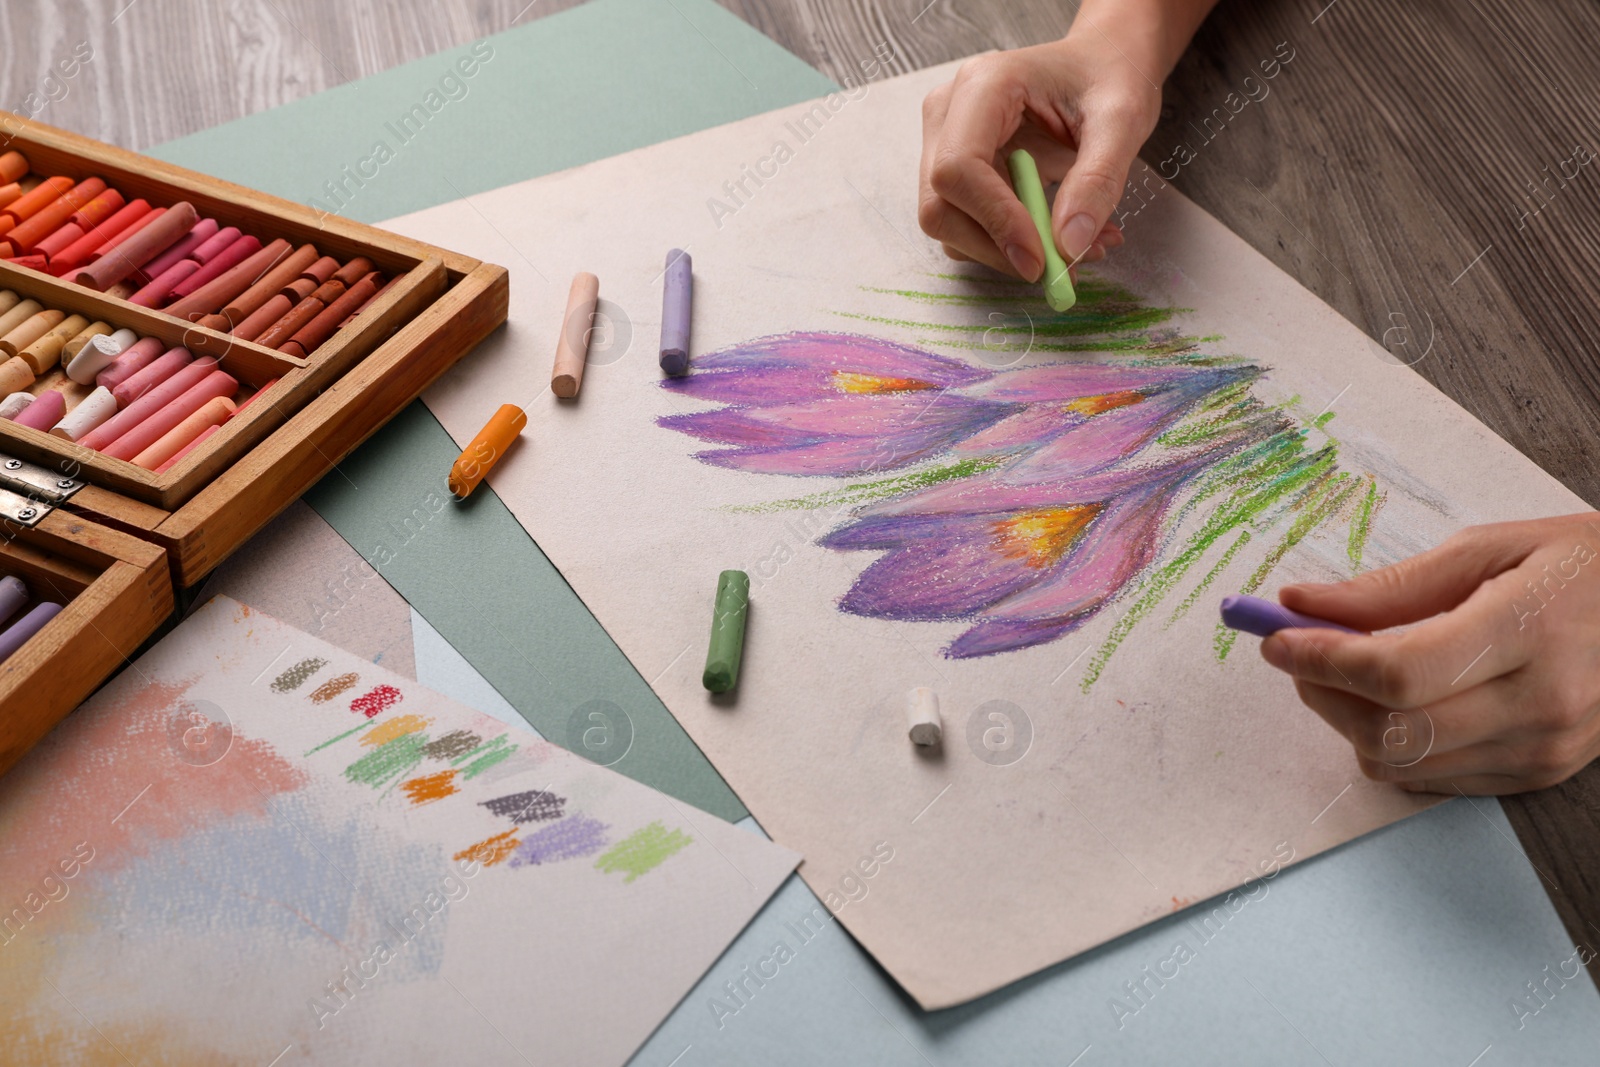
(45, 411)
(155, 294)
(149, 431)
(203, 231)
(171, 362)
(138, 356)
(230, 257)
(186, 449)
(148, 404)
(218, 243)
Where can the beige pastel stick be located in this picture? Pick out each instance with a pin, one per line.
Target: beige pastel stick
(87, 334)
(572, 347)
(31, 329)
(15, 376)
(8, 300)
(18, 314)
(91, 411)
(922, 713)
(45, 353)
(12, 405)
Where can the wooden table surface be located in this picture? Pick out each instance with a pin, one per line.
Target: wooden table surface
(1393, 168)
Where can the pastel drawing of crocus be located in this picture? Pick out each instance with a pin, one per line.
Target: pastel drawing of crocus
(1066, 507)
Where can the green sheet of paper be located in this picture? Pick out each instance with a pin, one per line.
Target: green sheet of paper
(600, 79)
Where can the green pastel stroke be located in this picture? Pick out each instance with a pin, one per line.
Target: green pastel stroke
(1361, 522)
(389, 762)
(865, 492)
(642, 851)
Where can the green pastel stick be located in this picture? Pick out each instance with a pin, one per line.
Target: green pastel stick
(727, 632)
(1030, 190)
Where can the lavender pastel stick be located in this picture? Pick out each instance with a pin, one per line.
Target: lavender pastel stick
(17, 634)
(677, 304)
(13, 594)
(1263, 618)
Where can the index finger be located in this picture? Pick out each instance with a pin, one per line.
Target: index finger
(1436, 659)
(962, 170)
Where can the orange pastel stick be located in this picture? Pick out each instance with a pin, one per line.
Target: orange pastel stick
(209, 415)
(484, 450)
(10, 194)
(54, 215)
(13, 165)
(205, 435)
(31, 203)
(99, 209)
(262, 317)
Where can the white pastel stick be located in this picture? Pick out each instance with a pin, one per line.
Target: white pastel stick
(97, 355)
(922, 711)
(12, 405)
(91, 411)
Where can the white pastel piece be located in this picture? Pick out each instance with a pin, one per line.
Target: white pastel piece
(922, 711)
(91, 411)
(12, 405)
(97, 355)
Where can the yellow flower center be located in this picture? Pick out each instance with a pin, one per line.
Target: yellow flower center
(1041, 538)
(851, 382)
(1094, 405)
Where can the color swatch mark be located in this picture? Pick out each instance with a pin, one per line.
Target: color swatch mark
(387, 762)
(430, 787)
(641, 851)
(491, 850)
(332, 688)
(398, 726)
(379, 698)
(292, 678)
(453, 744)
(535, 805)
(576, 835)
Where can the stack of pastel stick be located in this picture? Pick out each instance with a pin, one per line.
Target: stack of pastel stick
(13, 595)
(151, 404)
(172, 260)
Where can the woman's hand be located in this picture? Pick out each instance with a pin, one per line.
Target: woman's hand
(1082, 106)
(1498, 691)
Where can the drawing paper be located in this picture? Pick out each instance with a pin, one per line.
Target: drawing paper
(255, 847)
(932, 480)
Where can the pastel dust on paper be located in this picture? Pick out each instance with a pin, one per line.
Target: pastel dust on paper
(1022, 499)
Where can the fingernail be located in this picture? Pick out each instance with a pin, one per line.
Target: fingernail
(1276, 652)
(1077, 235)
(1023, 260)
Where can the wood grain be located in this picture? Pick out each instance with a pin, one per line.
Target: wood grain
(1387, 170)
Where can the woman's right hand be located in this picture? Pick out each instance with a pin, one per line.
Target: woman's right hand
(1080, 105)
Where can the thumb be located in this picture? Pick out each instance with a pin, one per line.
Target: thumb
(1092, 188)
(1416, 588)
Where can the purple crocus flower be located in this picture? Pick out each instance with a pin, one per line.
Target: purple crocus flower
(1026, 562)
(830, 404)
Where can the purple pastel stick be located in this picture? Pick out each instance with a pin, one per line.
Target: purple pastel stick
(13, 594)
(1264, 618)
(17, 634)
(676, 303)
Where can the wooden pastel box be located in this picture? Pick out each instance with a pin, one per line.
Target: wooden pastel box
(113, 541)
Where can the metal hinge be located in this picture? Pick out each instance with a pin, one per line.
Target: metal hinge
(28, 492)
